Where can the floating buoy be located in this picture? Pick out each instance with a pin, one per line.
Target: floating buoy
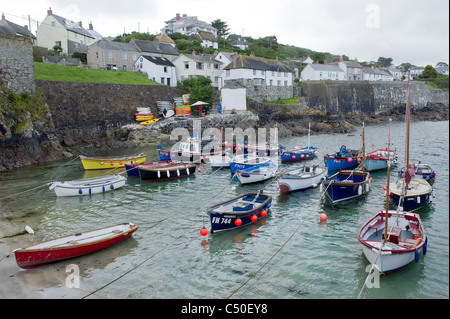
(359, 160)
(296, 147)
(29, 230)
(203, 231)
(293, 156)
(101, 163)
(323, 216)
(238, 222)
(349, 159)
(371, 179)
(263, 213)
(384, 188)
(199, 170)
(302, 156)
(121, 163)
(418, 199)
(254, 218)
(159, 174)
(178, 172)
(112, 163)
(168, 173)
(80, 191)
(307, 155)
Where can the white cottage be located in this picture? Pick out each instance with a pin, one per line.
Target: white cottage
(320, 72)
(191, 65)
(233, 97)
(160, 70)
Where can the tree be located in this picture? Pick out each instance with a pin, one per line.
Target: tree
(222, 28)
(319, 57)
(429, 72)
(199, 88)
(384, 62)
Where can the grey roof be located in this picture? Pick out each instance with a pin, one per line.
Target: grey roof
(154, 47)
(352, 64)
(326, 67)
(116, 46)
(375, 71)
(72, 26)
(233, 85)
(158, 60)
(12, 28)
(204, 58)
(253, 63)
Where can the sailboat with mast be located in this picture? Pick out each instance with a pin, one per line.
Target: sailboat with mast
(392, 239)
(299, 154)
(410, 193)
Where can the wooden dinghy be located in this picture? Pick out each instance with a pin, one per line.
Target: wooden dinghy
(88, 186)
(111, 161)
(166, 171)
(257, 173)
(72, 246)
(302, 178)
(239, 211)
(343, 159)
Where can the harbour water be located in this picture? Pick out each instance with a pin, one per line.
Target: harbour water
(289, 254)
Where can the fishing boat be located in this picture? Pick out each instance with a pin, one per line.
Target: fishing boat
(307, 176)
(133, 171)
(244, 161)
(268, 149)
(344, 158)
(239, 211)
(411, 194)
(72, 246)
(257, 173)
(108, 162)
(346, 184)
(300, 154)
(422, 171)
(166, 171)
(193, 150)
(221, 160)
(89, 186)
(392, 240)
(378, 159)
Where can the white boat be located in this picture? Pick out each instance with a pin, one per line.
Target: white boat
(244, 161)
(218, 161)
(88, 186)
(378, 159)
(393, 240)
(302, 178)
(257, 173)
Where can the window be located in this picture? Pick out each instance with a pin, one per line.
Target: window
(228, 73)
(208, 65)
(110, 55)
(124, 67)
(165, 69)
(124, 56)
(162, 81)
(186, 65)
(254, 72)
(58, 43)
(216, 79)
(96, 55)
(199, 66)
(263, 72)
(279, 83)
(53, 23)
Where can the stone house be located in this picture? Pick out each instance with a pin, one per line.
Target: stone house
(159, 47)
(352, 69)
(69, 35)
(111, 55)
(321, 72)
(192, 65)
(238, 41)
(12, 28)
(160, 70)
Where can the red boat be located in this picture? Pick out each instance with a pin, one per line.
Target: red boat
(72, 246)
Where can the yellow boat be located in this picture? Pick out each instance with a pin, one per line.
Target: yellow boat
(109, 162)
(149, 122)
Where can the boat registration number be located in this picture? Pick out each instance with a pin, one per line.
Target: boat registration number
(221, 220)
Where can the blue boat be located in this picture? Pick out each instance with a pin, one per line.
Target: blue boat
(239, 211)
(257, 173)
(421, 171)
(300, 154)
(343, 159)
(133, 170)
(191, 151)
(346, 185)
(241, 162)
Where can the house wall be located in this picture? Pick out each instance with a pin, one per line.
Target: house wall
(47, 35)
(156, 72)
(183, 73)
(257, 77)
(104, 58)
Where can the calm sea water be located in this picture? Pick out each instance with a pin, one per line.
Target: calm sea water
(289, 254)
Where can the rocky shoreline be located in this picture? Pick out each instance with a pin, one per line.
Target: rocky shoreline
(38, 145)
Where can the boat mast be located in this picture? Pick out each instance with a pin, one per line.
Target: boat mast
(387, 190)
(363, 150)
(408, 119)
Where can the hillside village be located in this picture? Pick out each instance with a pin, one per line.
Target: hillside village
(161, 61)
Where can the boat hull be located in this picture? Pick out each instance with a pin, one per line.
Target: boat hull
(255, 174)
(346, 185)
(223, 219)
(242, 163)
(418, 195)
(166, 172)
(133, 171)
(93, 163)
(378, 160)
(302, 179)
(28, 257)
(88, 186)
(297, 155)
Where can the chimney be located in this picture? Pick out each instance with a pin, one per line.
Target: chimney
(90, 26)
(341, 59)
(80, 24)
(3, 16)
(178, 17)
(184, 15)
(49, 11)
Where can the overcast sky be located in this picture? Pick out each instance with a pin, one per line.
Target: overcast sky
(415, 31)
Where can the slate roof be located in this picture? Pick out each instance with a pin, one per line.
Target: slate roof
(254, 63)
(204, 58)
(12, 28)
(158, 60)
(326, 67)
(72, 26)
(116, 46)
(154, 47)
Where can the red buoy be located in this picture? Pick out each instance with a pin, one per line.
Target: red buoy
(254, 218)
(349, 159)
(203, 231)
(238, 222)
(263, 213)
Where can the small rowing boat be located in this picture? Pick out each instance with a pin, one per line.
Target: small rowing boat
(88, 186)
(111, 161)
(72, 246)
(166, 171)
(257, 173)
(302, 178)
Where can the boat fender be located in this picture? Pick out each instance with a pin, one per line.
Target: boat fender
(187, 171)
(80, 191)
(90, 191)
(417, 242)
(168, 173)
(178, 172)
(367, 187)
(112, 186)
(29, 230)
(418, 199)
(314, 185)
(425, 246)
(103, 189)
(321, 187)
(159, 174)
(416, 256)
(359, 190)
